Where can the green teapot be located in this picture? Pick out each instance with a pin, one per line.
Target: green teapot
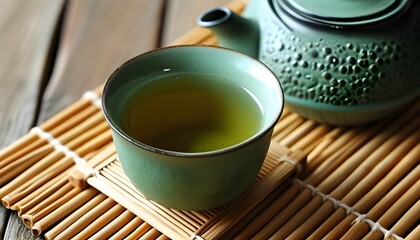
(339, 62)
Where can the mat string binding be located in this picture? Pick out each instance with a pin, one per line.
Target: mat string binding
(374, 226)
(81, 163)
(195, 237)
(93, 97)
(285, 158)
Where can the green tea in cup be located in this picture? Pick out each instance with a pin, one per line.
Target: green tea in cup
(192, 113)
(192, 124)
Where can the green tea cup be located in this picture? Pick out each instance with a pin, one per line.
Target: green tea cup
(174, 112)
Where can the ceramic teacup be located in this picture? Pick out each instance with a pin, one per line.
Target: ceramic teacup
(154, 112)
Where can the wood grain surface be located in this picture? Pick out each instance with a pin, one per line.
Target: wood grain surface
(26, 31)
(52, 51)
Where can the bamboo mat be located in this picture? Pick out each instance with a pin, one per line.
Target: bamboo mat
(360, 182)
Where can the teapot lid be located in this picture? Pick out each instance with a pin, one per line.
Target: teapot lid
(343, 13)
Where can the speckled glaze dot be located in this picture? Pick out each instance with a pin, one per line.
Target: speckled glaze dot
(314, 54)
(342, 69)
(327, 50)
(304, 64)
(326, 75)
(280, 47)
(381, 75)
(333, 90)
(363, 63)
(364, 81)
(388, 49)
(311, 92)
(363, 53)
(333, 60)
(373, 68)
(352, 60)
(371, 55)
(341, 82)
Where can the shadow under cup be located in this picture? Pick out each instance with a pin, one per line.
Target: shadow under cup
(192, 180)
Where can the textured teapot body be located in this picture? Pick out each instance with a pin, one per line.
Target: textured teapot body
(369, 71)
(340, 75)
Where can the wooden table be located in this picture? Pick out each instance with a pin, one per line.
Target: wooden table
(52, 51)
(357, 181)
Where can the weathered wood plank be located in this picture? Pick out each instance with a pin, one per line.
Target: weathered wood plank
(26, 30)
(98, 36)
(181, 16)
(4, 216)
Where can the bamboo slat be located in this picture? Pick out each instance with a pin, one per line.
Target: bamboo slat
(64, 227)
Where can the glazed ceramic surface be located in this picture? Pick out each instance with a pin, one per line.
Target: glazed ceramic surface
(193, 181)
(339, 62)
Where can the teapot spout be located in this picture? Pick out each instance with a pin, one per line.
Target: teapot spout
(232, 31)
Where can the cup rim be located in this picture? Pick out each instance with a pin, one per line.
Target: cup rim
(152, 149)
